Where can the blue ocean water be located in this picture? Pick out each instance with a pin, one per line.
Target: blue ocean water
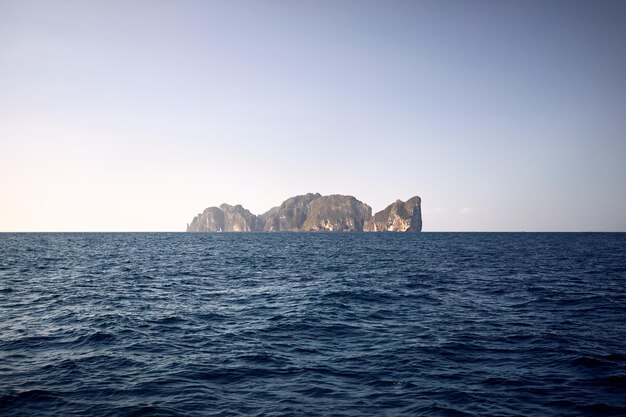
(450, 324)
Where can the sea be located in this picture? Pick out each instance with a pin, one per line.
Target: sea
(313, 324)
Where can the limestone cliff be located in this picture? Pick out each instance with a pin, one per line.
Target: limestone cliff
(224, 218)
(397, 217)
(312, 212)
(291, 214)
(336, 213)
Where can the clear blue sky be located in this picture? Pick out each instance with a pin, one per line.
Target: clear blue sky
(136, 115)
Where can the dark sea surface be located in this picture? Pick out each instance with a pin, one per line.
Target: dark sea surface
(449, 324)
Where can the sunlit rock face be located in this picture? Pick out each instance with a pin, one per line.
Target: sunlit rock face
(336, 213)
(312, 212)
(238, 219)
(291, 214)
(210, 220)
(317, 213)
(397, 217)
(225, 218)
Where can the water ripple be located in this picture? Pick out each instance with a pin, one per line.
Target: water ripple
(313, 324)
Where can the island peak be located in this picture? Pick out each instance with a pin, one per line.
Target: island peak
(313, 212)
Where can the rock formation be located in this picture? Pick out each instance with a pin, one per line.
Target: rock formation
(291, 214)
(224, 218)
(397, 217)
(336, 213)
(312, 213)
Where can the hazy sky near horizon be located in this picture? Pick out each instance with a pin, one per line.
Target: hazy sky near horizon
(135, 116)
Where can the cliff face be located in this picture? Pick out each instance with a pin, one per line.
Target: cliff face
(291, 214)
(397, 217)
(336, 213)
(238, 219)
(312, 213)
(224, 218)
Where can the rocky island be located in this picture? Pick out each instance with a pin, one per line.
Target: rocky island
(313, 212)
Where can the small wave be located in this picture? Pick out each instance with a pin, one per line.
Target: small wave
(170, 320)
(613, 381)
(589, 361)
(316, 392)
(503, 382)
(28, 396)
(98, 337)
(602, 409)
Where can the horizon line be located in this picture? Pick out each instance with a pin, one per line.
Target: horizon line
(315, 232)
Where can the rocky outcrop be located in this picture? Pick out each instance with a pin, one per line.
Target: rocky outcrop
(312, 213)
(225, 218)
(336, 213)
(291, 214)
(270, 214)
(397, 217)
